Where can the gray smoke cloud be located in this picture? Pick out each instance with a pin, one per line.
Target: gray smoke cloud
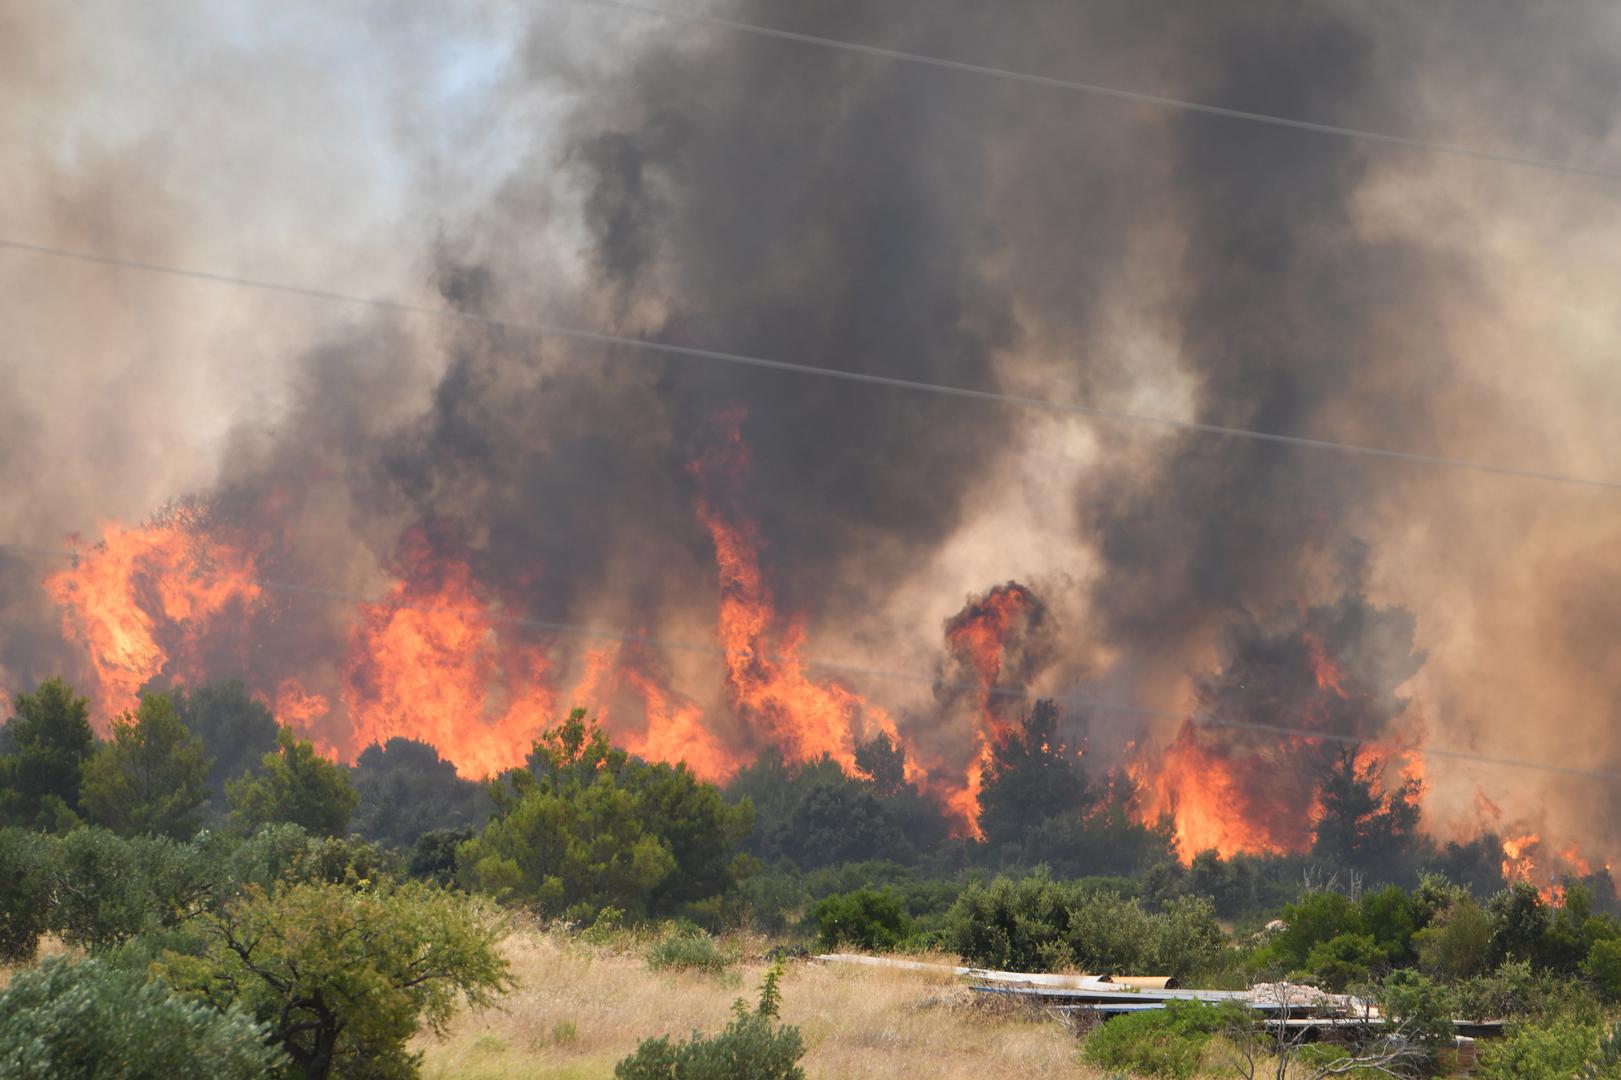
(685, 184)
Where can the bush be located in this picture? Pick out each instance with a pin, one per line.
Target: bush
(81, 1020)
(1015, 925)
(866, 919)
(345, 977)
(751, 1047)
(1421, 1007)
(1458, 944)
(1555, 1050)
(26, 864)
(1179, 940)
(1037, 924)
(1603, 967)
(103, 894)
(585, 826)
(1342, 961)
(1512, 990)
(1313, 919)
(1166, 1042)
(688, 948)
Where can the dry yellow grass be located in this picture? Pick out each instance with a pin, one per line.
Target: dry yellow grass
(579, 1008)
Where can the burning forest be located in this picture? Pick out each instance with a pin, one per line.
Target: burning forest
(454, 529)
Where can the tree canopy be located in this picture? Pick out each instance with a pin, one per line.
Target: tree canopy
(149, 777)
(41, 773)
(584, 825)
(236, 730)
(297, 786)
(343, 977)
(405, 789)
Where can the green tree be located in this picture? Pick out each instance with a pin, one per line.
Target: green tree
(405, 789)
(73, 1019)
(585, 825)
(1362, 826)
(867, 919)
(27, 869)
(50, 739)
(298, 787)
(1603, 967)
(149, 778)
(344, 977)
(236, 730)
(1457, 943)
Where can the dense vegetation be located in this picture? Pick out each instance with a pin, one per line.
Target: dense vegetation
(234, 898)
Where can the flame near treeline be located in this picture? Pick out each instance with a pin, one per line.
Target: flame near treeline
(455, 530)
(440, 658)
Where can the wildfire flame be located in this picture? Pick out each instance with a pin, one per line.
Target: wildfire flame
(142, 601)
(977, 638)
(673, 727)
(427, 662)
(765, 675)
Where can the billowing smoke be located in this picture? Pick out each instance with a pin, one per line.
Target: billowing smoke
(682, 184)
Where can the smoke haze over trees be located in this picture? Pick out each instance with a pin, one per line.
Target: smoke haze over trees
(682, 185)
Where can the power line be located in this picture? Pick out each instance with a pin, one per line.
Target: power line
(693, 352)
(1077, 701)
(1158, 101)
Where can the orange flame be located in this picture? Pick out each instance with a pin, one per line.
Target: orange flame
(1328, 674)
(299, 709)
(1525, 859)
(766, 677)
(142, 600)
(1221, 798)
(426, 662)
(977, 639)
(673, 727)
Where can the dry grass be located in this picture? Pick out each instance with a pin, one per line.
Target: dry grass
(579, 1008)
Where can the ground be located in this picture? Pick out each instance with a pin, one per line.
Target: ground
(580, 1007)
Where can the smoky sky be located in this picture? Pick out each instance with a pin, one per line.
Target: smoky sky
(802, 204)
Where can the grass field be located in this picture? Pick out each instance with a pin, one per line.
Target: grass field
(580, 1007)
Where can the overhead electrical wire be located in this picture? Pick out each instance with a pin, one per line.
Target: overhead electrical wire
(1136, 97)
(644, 345)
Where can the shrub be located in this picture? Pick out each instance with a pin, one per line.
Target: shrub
(585, 826)
(1313, 919)
(1421, 1007)
(103, 894)
(86, 1019)
(866, 919)
(1555, 1050)
(1110, 934)
(1016, 925)
(1603, 967)
(688, 948)
(751, 1047)
(1166, 1042)
(26, 865)
(343, 976)
(1458, 944)
(1037, 924)
(1343, 960)
(1511, 990)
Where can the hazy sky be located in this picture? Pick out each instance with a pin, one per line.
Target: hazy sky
(658, 179)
